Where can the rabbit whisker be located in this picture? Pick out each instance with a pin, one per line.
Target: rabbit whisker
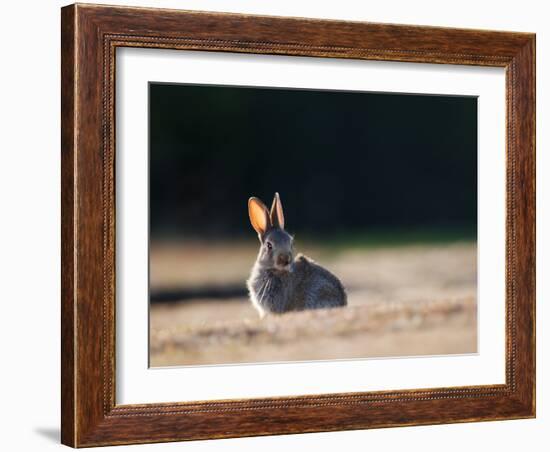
(259, 292)
(264, 291)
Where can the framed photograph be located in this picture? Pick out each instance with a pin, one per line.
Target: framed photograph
(280, 225)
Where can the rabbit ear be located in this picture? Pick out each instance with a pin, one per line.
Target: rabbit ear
(259, 215)
(276, 215)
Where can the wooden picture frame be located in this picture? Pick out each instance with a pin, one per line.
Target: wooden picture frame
(90, 36)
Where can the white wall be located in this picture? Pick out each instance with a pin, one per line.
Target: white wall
(29, 178)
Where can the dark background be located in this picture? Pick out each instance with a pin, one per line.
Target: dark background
(343, 162)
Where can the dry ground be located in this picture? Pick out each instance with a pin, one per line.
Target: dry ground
(403, 301)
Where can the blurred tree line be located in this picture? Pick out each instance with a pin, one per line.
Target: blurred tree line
(343, 162)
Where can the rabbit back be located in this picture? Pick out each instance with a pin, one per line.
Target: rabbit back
(315, 287)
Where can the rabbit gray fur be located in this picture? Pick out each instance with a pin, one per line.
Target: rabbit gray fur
(280, 282)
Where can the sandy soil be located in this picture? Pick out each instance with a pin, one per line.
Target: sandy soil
(403, 301)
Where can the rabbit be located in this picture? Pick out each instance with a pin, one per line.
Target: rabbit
(280, 282)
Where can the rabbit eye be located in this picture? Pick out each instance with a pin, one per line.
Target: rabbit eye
(269, 245)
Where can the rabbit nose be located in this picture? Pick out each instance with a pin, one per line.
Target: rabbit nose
(283, 259)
